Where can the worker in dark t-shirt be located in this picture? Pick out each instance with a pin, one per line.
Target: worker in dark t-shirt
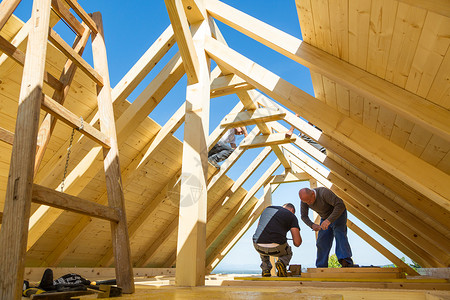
(333, 224)
(270, 237)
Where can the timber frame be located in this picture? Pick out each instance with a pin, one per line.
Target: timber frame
(391, 168)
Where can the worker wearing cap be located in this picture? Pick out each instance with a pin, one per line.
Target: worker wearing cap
(333, 224)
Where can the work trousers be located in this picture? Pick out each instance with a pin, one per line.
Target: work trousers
(337, 230)
(220, 152)
(283, 252)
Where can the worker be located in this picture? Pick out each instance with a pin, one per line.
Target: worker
(333, 224)
(270, 237)
(222, 150)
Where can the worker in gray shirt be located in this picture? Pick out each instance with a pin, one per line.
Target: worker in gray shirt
(333, 224)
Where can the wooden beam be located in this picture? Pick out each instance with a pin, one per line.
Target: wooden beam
(6, 136)
(195, 10)
(144, 65)
(19, 57)
(380, 248)
(228, 84)
(50, 197)
(75, 57)
(193, 193)
(14, 232)
(252, 117)
(69, 118)
(67, 75)
(440, 7)
(116, 200)
(63, 12)
(1, 217)
(267, 140)
(412, 107)
(7, 7)
(412, 170)
(291, 177)
(417, 202)
(83, 15)
(184, 40)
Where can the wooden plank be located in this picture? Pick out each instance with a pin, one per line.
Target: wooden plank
(6, 136)
(184, 39)
(291, 177)
(339, 28)
(34, 274)
(63, 12)
(49, 122)
(349, 275)
(194, 10)
(407, 167)
(322, 24)
(368, 85)
(46, 196)
(19, 57)
(113, 178)
(144, 65)
(380, 248)
(438, 6)
(360, 271)
(228, 84)
(7, 7)
(193, 193)
(83, 15)
(75, 57)
(69, 118)
(155, 244)
(252, 117)
(18, 196)
(306, 19)
(267, 140)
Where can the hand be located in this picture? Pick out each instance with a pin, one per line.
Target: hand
(316, 227)
(325, 225)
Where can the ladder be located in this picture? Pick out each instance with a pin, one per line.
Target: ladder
(27, 153)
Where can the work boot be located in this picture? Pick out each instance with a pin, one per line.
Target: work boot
(347, 263)
(266, 273)
(214, 163)
(281, 268)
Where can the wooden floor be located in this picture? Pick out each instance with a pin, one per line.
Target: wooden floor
(253, 287)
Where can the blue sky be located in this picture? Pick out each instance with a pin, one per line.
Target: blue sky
(132, 26)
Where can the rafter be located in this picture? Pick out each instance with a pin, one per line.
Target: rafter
(412, 107)
(381, 249)
(268, 140)
(415, 172)
(291, 177)
(183, 36)
(228, 84)
(6, 136)
(7, 7)
(251, 117)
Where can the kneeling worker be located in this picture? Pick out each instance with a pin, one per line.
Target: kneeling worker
(333, 224)
(270, 237)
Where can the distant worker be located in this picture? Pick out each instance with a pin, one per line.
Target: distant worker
(333, 224)
(307, 138)
(222, 150)
(270, 237)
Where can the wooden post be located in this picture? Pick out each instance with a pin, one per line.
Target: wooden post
(119, 230)
(13, 236)
(191, 245)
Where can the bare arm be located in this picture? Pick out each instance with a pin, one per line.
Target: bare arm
(296, 238)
